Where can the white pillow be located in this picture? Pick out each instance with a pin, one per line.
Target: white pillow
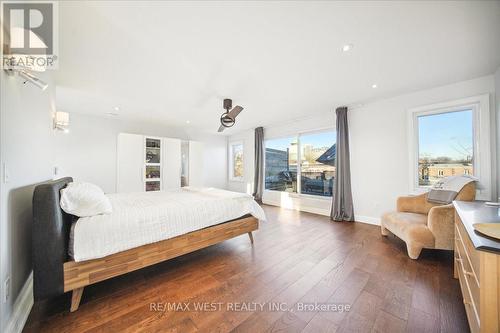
(84, 199)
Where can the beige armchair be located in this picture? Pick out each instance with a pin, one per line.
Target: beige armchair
(422, 224)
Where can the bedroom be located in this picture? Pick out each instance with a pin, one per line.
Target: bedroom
(249, 166)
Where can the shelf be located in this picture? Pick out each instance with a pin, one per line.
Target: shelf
(152, 164)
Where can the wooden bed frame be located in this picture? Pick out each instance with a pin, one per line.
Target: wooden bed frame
(77, 275)
(54, 273)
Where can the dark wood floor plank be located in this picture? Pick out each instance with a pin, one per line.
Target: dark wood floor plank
(363, 314)
(398, 300)
(386, 322)
(422, 322)
(346, 294)
(426, 292)
(452, 317)
(320, 325)
(288, 322)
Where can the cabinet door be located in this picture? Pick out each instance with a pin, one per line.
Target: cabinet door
(171, 163)
(196, 168)
(130, 163)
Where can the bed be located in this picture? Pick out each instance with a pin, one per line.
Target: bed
(144, 229)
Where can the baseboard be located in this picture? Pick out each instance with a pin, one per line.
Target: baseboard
(313, 210)
(326, 212)
(367, 219)
(319, 211)
(22, 308)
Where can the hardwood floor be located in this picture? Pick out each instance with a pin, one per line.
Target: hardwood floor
(297, 259)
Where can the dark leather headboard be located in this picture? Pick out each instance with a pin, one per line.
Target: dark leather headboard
(50, 239)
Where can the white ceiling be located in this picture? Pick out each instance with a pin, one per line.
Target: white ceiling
(172, 62)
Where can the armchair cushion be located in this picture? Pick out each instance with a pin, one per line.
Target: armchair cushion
(409, 226)
(414, 204)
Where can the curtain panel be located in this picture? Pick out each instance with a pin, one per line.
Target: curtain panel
(342, 206)
(259, 164)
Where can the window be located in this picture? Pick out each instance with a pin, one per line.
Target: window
(451, 138)
(445, 145)
(236, 161)
(281, 165)
(315, 173)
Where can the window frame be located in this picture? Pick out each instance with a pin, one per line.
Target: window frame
(298, 135)
(231, 161)
(481, 140)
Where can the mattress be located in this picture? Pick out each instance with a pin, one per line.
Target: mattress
(147, 217)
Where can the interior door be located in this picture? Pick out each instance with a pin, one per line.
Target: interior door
(171, 163)
(196, 168)
(130, 163)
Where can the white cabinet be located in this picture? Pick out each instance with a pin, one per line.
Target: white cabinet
(171, 163)
(147, 163)
(130, 163)
(196, 163)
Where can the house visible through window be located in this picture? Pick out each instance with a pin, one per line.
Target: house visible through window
(445, 145)
(301, 164)
(236, 161)
(317, 170)
(281, 164)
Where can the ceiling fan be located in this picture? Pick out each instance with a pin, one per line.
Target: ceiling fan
(228, 118)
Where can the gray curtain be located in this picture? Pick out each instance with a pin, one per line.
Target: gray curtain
(259, 166)
(342, 208)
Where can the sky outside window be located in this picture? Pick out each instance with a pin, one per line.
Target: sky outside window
(445, 145)
(446, 135)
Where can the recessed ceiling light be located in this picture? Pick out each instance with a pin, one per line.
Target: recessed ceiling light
(374, 86)
(116, 108)
(346, 47)
(188, 122)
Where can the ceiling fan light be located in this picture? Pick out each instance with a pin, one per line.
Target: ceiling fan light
(226, 120)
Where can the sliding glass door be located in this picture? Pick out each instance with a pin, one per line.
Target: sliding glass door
(317, 167)
(303, 164)
(281, 165)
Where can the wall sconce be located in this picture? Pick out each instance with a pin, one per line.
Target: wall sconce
(25, 64)
(27, 77)
(61, 121)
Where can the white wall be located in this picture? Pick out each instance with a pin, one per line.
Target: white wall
(379, 148)
(497, 104)
(88, 151)
(26, 149)
(215, 163)
(379, 144)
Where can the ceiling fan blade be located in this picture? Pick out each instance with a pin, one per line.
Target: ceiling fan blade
(221, 128)
(235, 111)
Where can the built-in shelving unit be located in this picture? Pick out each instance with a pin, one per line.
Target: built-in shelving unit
(152, 164)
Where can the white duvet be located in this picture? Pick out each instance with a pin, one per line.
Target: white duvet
(143, 218)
